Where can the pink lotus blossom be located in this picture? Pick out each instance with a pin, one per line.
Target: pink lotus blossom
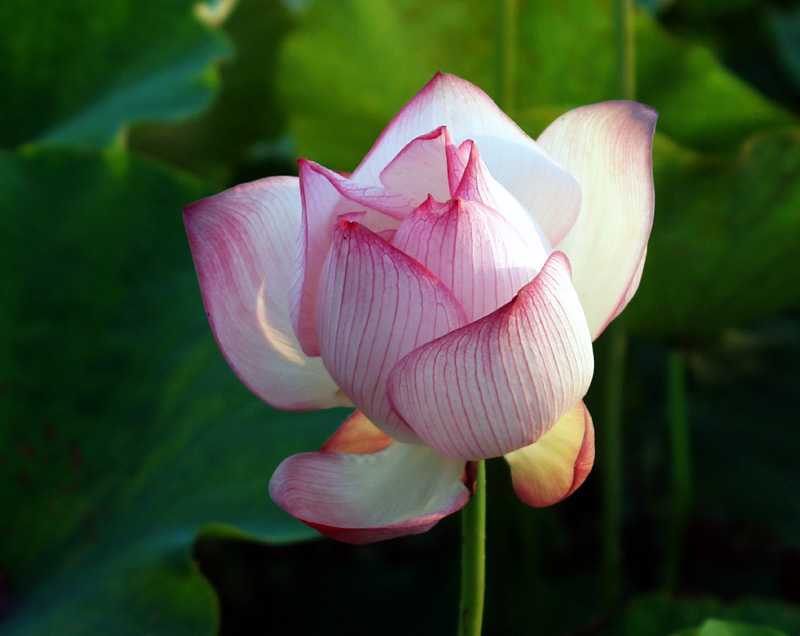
(449, 289)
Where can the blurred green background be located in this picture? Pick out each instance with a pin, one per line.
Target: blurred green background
(133, 464)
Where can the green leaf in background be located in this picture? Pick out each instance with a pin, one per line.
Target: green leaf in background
(713, 627)
(125, 433)
(725, 239)
(654, 614)
(351, 64)
(235, 140)
(785, 27)
(77, 72)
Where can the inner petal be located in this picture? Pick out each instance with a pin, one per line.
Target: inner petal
(473, 250)
(375, 306)
(420, 168)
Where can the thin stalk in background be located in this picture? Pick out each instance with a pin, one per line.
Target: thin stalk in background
(473, 558)
(610, 440)
(507, 67)
(625, 49)
(681, 461)
(610, 447)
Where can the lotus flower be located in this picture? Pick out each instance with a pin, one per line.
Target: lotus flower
(449, 289)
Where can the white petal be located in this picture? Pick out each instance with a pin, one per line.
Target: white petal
(358, 498)
(608, 147)
(243, 242)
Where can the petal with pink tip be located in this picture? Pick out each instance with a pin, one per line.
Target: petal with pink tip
(477, 184)
(608, 147)
(546, 189)
(473, 250)
(376, 304)
(420, 169)
(326, 195)
(551, 469)
(358, 498)
(500, 383)
(242, 242)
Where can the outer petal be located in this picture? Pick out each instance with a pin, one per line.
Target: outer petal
(473, 250)
(242, 242)
(608, 147)
(550, 470)
(376, 304)
(548, 191)
(500, 383)
(326, 195)
(358, 498)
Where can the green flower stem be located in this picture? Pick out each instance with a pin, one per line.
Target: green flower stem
(681, 465)
(507, 68)
(473, 558)
(610, 451)
(626, 58)
(615, 341)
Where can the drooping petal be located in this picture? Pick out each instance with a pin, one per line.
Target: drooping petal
(358, 436)
(326, 195)
(420, 169)
(500, 383)
(548, 191)
(473, 250)
(243, 242)
(551, 469)
(358, 498)
(376, 304)
(608, 147)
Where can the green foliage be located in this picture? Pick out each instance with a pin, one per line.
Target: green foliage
(235, 138)
(713, 627)
(660, 614)
(725, 238)
(78, 72)
(128, 433)
(124, 432)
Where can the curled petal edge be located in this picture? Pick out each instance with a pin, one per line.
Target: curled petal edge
(363, 497)
(551, 469)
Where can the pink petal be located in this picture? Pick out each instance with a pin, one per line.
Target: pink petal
(420, 169)
(477, 184)
(500, 383)
(473, 250)
(358, 498)
(243, 242)
(608, 147)
(326, 195)
(551, 469)
(376, 304)
(548, 191)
